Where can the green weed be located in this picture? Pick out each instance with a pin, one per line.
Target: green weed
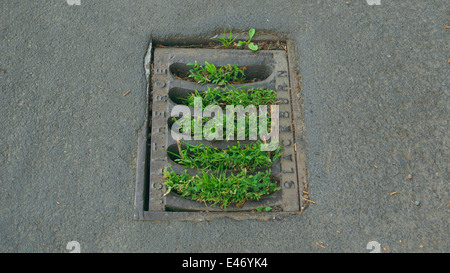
(218, 188)
(209, 73)
(226, 42)
(260, 209)
(233, 96)
(233, 158)
(252, 46)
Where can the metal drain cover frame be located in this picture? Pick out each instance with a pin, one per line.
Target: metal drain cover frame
(151, 203)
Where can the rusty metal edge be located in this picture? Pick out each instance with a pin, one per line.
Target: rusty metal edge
(140, 174)
(209, 216)
(141, 158)
(298, 120)
(261, 35)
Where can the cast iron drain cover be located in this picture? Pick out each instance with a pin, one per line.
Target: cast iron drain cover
(272, 71)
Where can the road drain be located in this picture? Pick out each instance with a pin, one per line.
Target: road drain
(166, 69)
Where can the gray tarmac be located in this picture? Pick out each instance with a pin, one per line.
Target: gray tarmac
(375, 83)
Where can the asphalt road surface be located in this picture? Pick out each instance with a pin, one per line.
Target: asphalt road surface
(375, 82)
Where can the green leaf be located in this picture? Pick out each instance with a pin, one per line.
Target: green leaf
(253, 47)
(190, 64)
(268, 208)
(240, 43)
(210, 68)
(251, 33)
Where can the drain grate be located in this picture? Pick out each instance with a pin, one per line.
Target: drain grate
(270, 69)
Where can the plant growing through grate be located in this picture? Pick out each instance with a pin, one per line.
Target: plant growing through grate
(225, 42)
(235, 158)
(209, 73)
(229, 96)
(233, 96)
(232, 175)
(208, 126)
(217, 187)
